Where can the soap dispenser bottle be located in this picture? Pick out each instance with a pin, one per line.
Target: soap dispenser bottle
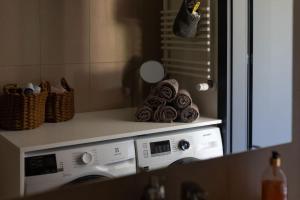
(155, 190)
(274, 182)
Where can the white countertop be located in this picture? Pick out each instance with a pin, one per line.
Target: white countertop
(92, 127)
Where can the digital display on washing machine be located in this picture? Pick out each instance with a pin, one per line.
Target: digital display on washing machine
(160, 147)
(40, 165)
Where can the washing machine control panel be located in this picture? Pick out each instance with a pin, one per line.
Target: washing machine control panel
(84, 158)
(160, 147)
(161, 150)
(87, 158)
(184, 145)
(38, 165)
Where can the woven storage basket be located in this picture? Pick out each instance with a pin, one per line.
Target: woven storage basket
(60, 107)
(22, 112)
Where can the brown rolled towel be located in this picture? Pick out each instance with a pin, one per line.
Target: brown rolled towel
(183, 100)
(154, 102)
(167, 89)
(189, 114)
(165, 114)
(144, 114)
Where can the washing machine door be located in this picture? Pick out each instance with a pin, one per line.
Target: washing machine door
(88, 179)
(184, 161)
(93, 178)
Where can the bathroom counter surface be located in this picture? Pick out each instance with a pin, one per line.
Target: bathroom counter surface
(92, 127)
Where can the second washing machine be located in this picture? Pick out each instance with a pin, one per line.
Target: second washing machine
(179, 147)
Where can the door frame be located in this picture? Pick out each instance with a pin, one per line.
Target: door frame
(235, 73)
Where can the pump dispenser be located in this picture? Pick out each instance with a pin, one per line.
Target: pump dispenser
(274, 182)
(155, 190)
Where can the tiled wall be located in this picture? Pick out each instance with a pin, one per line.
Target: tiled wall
(96, 44)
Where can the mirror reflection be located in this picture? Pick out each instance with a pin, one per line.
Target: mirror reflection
(99, 89)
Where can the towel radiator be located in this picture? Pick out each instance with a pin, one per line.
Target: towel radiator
(191, 57)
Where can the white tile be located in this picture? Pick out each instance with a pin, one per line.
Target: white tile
(106, 89)
(77, 75)
(20, 75)
(116, 33)
(19, 35)
(65, 31)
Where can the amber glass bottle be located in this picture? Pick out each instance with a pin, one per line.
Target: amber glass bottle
(274, 182)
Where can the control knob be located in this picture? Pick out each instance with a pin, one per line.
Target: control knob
(184, 145)
(87, 158)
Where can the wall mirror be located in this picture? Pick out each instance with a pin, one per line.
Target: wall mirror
(237, 68)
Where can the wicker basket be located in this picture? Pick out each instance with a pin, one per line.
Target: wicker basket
(60, 107)
(22, 112)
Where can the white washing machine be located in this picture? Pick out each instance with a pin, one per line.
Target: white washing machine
(159, 151)
(51, 169)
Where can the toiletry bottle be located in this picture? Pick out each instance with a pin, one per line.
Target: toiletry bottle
(155, 190)
(274, 183)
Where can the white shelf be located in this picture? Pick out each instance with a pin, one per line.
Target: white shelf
(92, 127)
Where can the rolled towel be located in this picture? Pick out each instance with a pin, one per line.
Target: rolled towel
(154, 102)
(189, 114)
(167, 89)
(37, 89)
(165, 114)
(144, 114)
(183, 100)
(58, 90)
(28, 89)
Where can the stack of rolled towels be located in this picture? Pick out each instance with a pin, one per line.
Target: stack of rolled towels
(167, 103)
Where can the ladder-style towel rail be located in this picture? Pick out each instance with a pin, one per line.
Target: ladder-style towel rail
(177, 51)
(189, 68)
(174, 12)
(190, 62)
